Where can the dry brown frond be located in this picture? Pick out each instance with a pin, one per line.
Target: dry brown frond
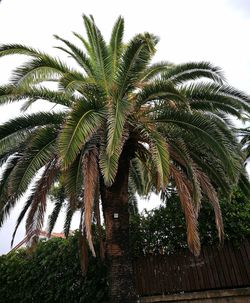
(189, 212)
(35, 219)
(191, 167)
(211, 193)
(90, 181)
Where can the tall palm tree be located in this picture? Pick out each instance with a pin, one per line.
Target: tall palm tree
(120, 120)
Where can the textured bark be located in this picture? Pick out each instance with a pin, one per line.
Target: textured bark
(115, 201)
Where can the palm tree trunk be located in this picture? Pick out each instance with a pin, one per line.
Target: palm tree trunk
(116, 216)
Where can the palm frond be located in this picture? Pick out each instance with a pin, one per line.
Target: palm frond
(189, 212)
(133, 62)
(81, 124)
(116, 123)
(78, 55)
(155, 70)
(6, 200)
(210, 192)
(58, 200)
(71, 209)
(99, 52)
(159, 152)
(203, 127)
(38, 154)
(90, 183)
(35, 218)
(21, 216)
(115, 44)
(192, 71)
(39, 70)
(18, 49)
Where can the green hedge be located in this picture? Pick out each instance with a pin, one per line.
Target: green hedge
(50, 274)
(164, 230)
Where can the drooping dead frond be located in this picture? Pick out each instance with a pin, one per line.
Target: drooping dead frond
(82, 246)
(211, 193)
(189, 212)
(180, 155)
(36, 213)
(98, 223)
(90, 181)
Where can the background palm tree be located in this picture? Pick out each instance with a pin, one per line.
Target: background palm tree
(120, 120)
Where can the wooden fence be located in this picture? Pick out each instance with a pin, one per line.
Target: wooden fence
(227, 267)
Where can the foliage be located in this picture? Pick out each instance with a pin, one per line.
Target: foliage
(163, 230)
(51, 273)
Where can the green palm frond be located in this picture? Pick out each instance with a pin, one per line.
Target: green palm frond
(73, 82)
(22, 215)
(115, 44)
(58, 201)
(44, 93)
(39, 152)
(99, 52)
(83, 121)
(202, 127)
(134, 60)
(39, 70)
(157, 92)
(31, 121)
(159, 152)
(68, 219)
(155, 70)
(6, 201)
(8, 94)
(139, 177)
(181, 73)
(116, 123)
(108, 165)
(78, 55)
(18, 49)
(84, 42)
(217, 95)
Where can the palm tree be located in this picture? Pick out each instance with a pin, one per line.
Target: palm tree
(120, 120)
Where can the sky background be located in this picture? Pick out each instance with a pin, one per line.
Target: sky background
(193, 30)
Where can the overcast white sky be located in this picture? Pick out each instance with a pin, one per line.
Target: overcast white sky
(189, 30)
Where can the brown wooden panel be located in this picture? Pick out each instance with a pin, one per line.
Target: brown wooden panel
(241, 267)
(245, 261)
(213, 269)
(209, 269)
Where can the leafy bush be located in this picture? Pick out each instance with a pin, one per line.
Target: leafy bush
(51, 273)
(163, 230)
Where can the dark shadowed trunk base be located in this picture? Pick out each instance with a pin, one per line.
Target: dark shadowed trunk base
(121, 281)
(116, 216)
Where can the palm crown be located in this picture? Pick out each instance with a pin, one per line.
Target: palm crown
(170, 121)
